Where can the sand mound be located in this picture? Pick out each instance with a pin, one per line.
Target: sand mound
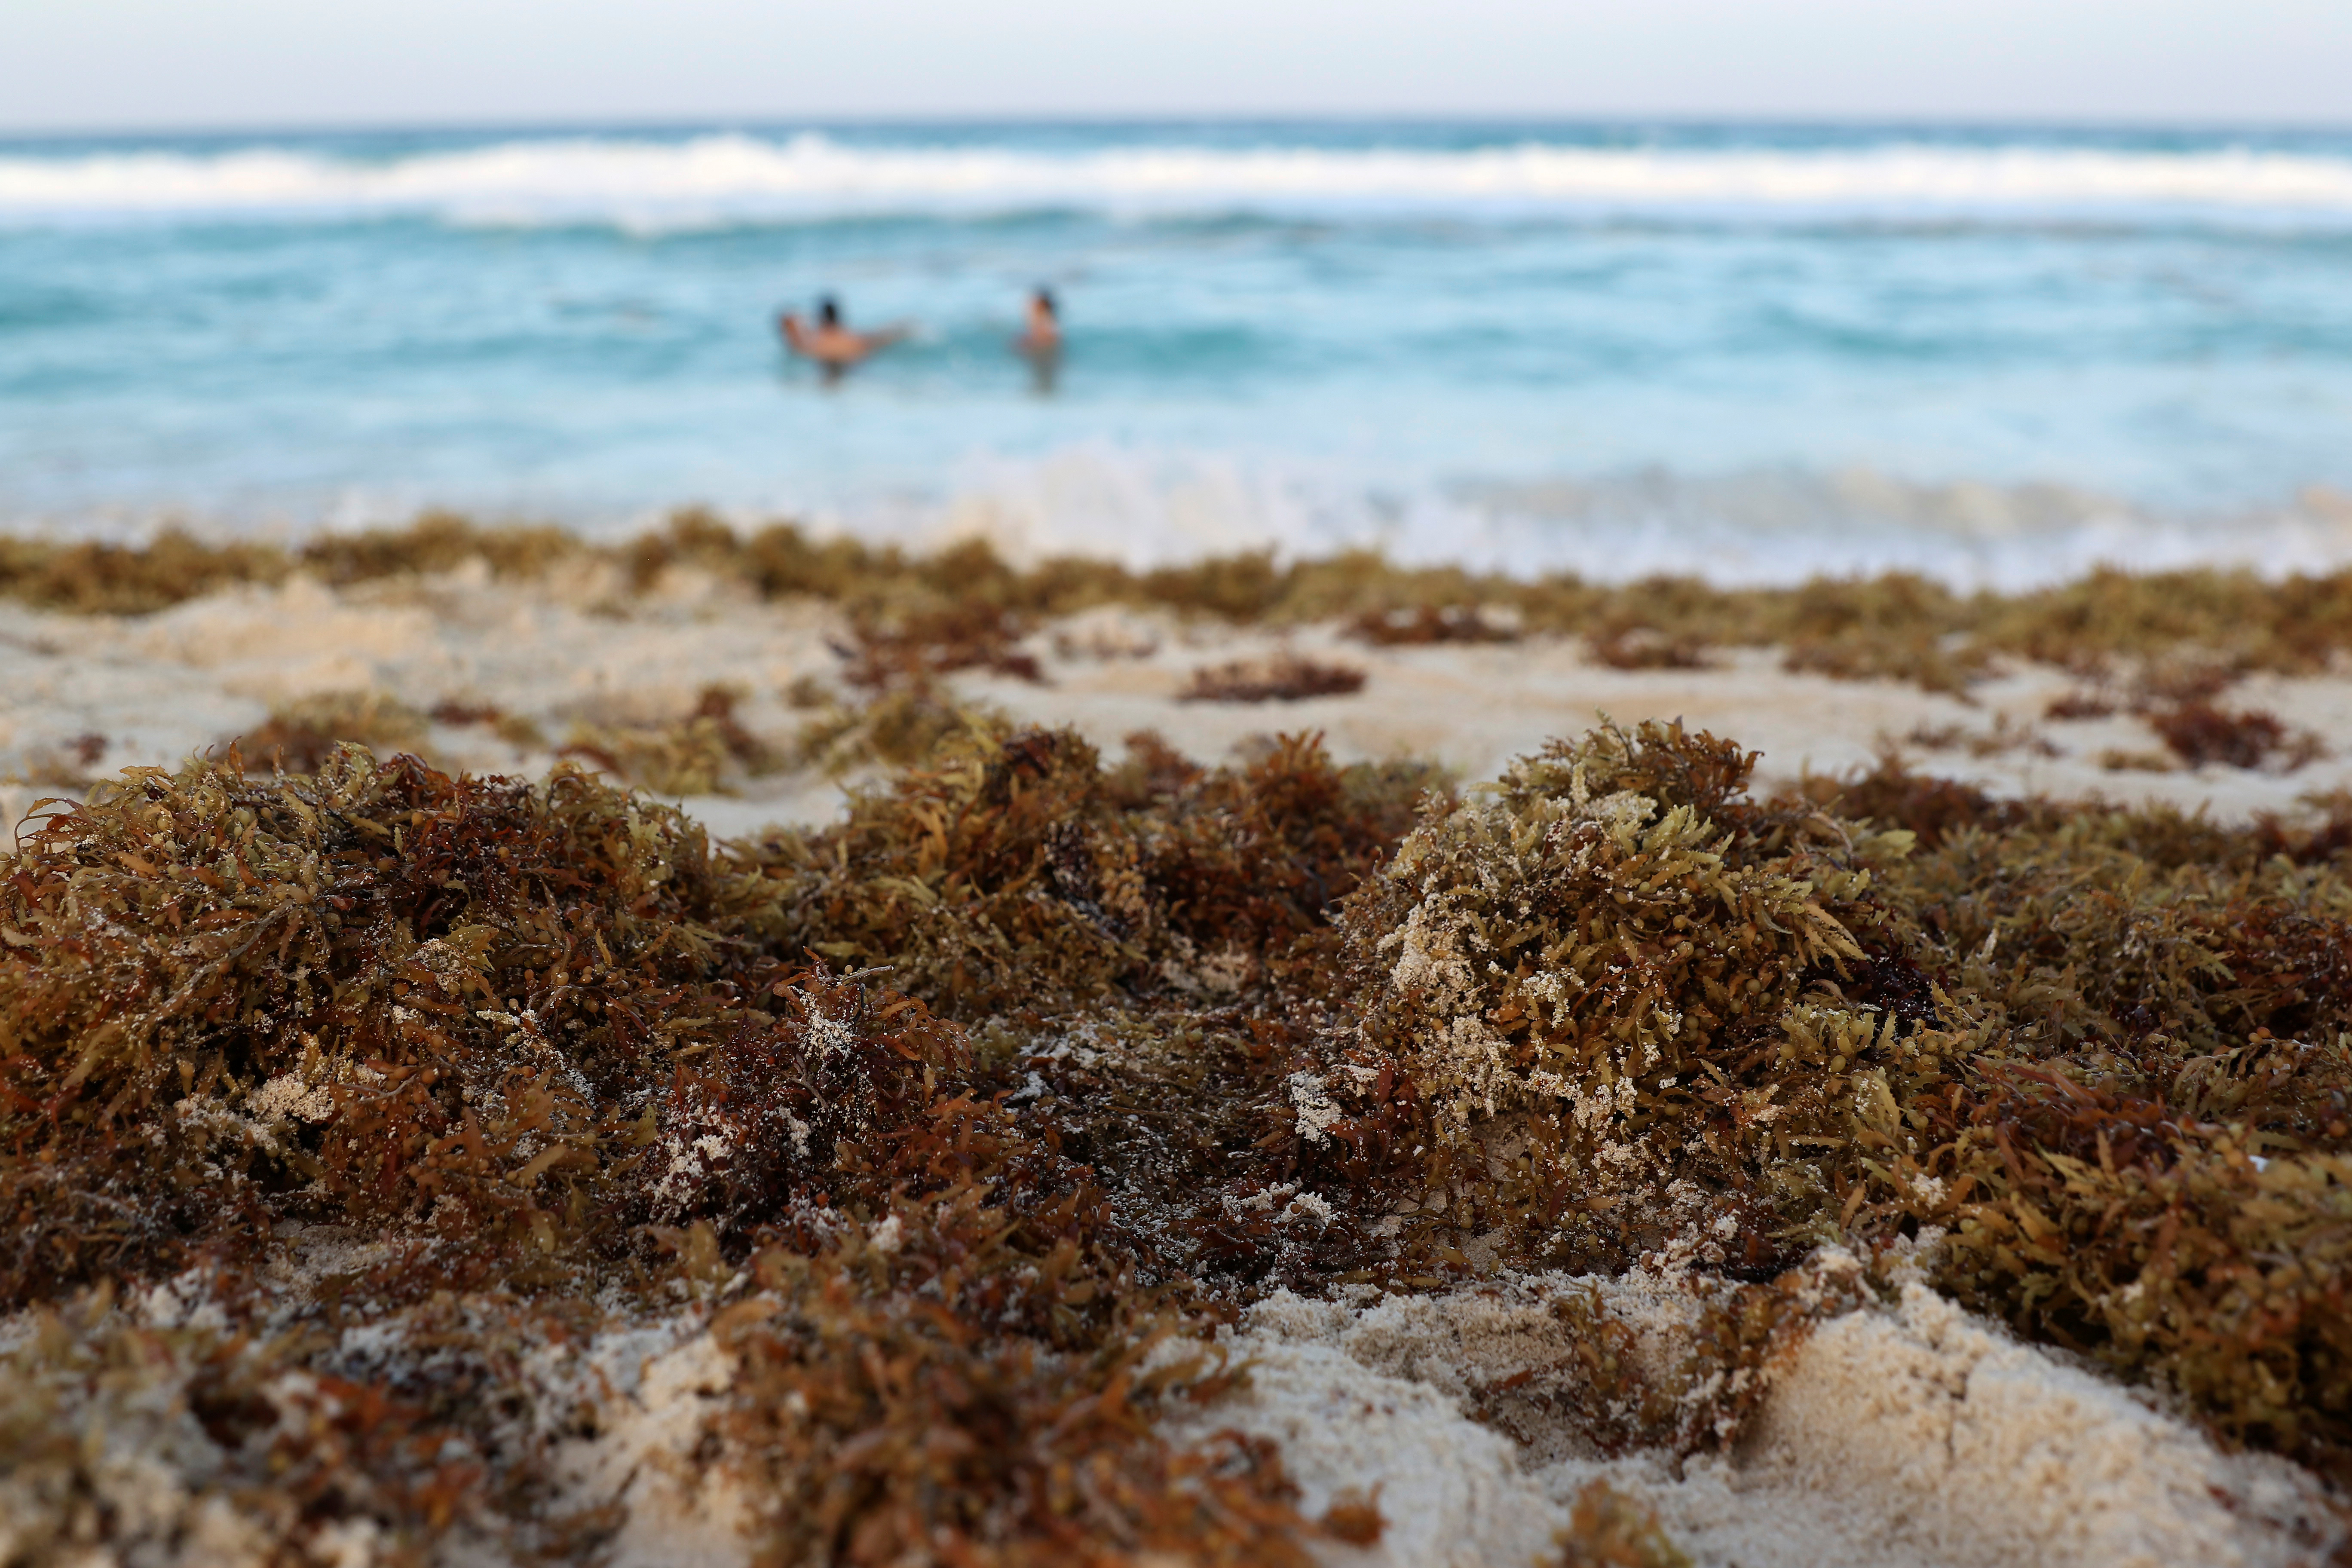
(1913, 1434)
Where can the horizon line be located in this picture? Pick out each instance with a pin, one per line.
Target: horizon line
(767, 120)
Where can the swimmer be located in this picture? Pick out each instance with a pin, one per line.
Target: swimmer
(831, 344)
(1040, 341)
(1043, 335)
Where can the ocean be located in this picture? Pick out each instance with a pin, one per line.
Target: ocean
(1997, 356)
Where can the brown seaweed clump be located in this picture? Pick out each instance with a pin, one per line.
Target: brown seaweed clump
(91, 578)
(1609, 1530)
(2200, 732)
(706, 752)
(1421, 625)
(298, 736)
(1288, 678)
(547, 1061)
(1014, 872)
(1645, 647)
(2099, 1056)
(1631, 972)
(344, 1114)
(215, 983)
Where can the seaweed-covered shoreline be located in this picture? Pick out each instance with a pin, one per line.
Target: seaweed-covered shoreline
(1064, 1152)
(748, 673)
(964, 602)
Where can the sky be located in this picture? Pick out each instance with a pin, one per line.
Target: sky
(148, 64)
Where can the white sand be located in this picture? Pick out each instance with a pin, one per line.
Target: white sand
(575, 648)
(1905, 1436)
(653, 1392)
(1913, 1435)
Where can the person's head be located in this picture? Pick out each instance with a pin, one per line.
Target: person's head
(1042, 301)
(828, 311)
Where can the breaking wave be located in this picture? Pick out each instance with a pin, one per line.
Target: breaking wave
(1758, 527)
(740, 176)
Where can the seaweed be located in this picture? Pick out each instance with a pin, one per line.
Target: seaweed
(2188, 633)
(437, 541)
(1420, 624)
(1633, 967)
(1288, 678)
(91, 578)
(2081, 703)
(1923, 804)
(2163, 1244)
(546, 1033)
(298, 736)
(516, 730)
(546, 1042)
(1622, 647)
(958, 1125)
(202, 963)
(1607, 1529)
(702, 754)
(902, 725)
(154, 1440)
(1898, 628)
(2199, 733)
(1012, 871)
(911, 649)
(71, 765)
(2001, 738)
(2101, 1051)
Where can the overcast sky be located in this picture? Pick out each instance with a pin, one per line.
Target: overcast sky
(79, 63)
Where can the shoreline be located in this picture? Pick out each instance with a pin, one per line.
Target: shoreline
(500, 651)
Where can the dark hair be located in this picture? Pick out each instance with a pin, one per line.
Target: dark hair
(1046, 297)
(828, 311)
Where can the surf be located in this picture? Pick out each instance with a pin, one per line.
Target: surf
(743, 176)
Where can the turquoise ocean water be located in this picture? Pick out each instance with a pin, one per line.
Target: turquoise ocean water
(1756, 353)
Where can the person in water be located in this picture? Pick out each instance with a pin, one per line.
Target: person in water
(830, 344)
(1040, 341)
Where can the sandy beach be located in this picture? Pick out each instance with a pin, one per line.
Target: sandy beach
(1901, 1429)
(580, 648)
(1510, 787)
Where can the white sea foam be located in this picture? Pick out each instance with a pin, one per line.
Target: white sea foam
(1776, 526)
(1147, 508)
(734, 177)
